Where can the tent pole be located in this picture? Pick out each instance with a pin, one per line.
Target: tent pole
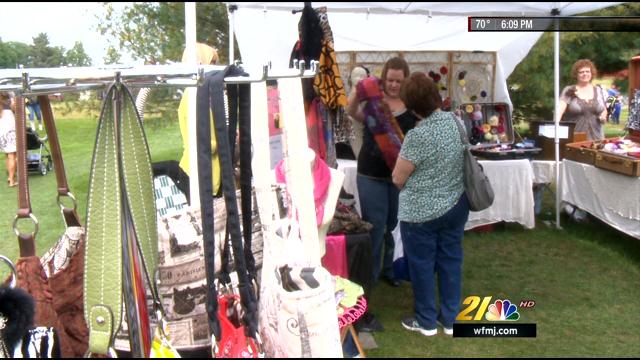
(190, 44)
(556, 92)
(232, 10)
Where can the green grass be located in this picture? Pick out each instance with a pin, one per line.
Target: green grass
(583, 278)
(77, 136)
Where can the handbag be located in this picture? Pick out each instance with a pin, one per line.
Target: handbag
(476, 183)
(18, 338)
(181, 276)
(121, 248)
(298, 310)
(55, 280)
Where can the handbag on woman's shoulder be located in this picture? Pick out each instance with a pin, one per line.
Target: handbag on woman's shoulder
(476, 183)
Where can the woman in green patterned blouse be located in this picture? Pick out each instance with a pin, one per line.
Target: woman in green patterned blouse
(433, 207)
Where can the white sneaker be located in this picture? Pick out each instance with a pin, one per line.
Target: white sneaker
(412, 324)
(40, 127)
(447, 331)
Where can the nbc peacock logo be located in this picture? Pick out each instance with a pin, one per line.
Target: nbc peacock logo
(502, 310)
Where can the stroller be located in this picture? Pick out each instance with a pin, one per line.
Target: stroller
(38, 155)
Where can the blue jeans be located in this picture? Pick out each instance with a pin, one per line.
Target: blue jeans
(436, 247)
(379, 206)
(34, 110)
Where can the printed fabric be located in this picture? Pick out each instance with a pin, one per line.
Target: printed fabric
(321, 180)
(328, 83)
(7, 132)
(634, 113)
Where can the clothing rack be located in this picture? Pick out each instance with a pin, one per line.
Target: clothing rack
(44, 81)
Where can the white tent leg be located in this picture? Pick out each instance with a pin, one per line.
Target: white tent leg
(231, 34)
(190, 44)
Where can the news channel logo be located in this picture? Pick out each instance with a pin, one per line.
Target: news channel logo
(476, 308)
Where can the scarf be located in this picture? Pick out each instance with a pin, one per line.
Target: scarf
(328, 84)
(321, 180)
(379, 120)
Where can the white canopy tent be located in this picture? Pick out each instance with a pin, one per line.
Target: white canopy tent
(266, 33)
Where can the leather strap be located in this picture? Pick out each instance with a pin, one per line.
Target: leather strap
(203, 139)
(70, 216)
(27, 242)
(103, 252)
(239, 100)
(138, 182)
(121, 218)
(247, 293)
(463, 134)
(211, 97)
(24, 204)
(244, 110)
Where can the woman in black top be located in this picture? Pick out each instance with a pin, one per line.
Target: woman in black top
(378, 195)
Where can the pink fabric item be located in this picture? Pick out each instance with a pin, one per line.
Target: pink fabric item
(335, 257)
(321, 180)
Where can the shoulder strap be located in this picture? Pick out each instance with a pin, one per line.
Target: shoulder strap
(211, 97)
(70, 216)
(463, 134)
(121, 225)
(103, 252)
(203, 141)
(26, 242)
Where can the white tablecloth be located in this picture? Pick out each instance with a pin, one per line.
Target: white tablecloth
(544, 171)
(512, 181)
(611, 197)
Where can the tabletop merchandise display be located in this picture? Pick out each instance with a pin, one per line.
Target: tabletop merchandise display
(490, 129)
(618, 154)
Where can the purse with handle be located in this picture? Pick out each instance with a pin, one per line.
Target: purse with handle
(55, 280)
(122, 238)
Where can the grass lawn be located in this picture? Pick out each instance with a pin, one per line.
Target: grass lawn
(582, 278)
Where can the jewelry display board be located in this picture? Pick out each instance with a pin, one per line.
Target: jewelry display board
(461, 76)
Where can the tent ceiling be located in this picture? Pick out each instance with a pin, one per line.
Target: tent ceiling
(266, 32)
(440, 8)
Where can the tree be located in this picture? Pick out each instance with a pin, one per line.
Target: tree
(531, 83)
(12, 54)
(43, 55)
(112, 57)
(154, 32)
(76, 56)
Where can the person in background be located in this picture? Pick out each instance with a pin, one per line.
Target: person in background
(34, 111)
(8, 136)
(376, 103)
(583, 103)
(616, 102)
(433, 207)
(179, 172)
